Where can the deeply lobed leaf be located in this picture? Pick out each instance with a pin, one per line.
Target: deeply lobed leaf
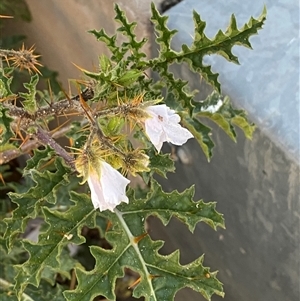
(45, 190)
(160, 276)
(221, 44)
(64, 228)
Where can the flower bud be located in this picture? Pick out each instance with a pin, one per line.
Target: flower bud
(136, 161)
(107, 185)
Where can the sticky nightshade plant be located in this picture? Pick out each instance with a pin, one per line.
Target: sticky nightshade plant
(123, 119)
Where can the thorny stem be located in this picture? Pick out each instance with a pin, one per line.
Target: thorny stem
(42, 137)
(46, 139)
(54, 109)
(123, 109)
(11, 52)
(28, 146)
(28, 119)
(107, 143)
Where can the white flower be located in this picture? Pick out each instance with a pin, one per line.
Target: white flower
(107, 187)
(163, 125)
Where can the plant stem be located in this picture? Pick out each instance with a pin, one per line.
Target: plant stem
(46, 139)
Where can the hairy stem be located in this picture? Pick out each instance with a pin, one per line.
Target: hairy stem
(46, 139)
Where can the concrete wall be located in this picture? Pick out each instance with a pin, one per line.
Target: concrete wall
(59, 31)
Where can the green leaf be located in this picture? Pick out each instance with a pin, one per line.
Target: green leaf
(118, 53)
(160, 276)
(16, 8)
(244, 125)
(129, 77)
(178, 88)
(5, 129)
(39, 159)
(127, 29)
(64, 228)
(133, 45)
(164, 36)
(221, 44)
(6, 79)
(45, 292)
(104, 62)
(159, 163)
(225, 117)
(45, 190)
(201, 133)
(166, 205)
(29, 98)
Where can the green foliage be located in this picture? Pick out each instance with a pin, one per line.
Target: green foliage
(5, 127)
(221, 44)
(29, 102)
(15, 8)
(128, 226)
(226, 116)
(45, 189)
(113, 102)
(177, 89)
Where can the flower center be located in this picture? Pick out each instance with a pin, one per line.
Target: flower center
(160, 118)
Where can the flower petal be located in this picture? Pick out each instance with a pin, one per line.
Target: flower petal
(163, 125)
(110, 190)
(96, 190)
(177, 134)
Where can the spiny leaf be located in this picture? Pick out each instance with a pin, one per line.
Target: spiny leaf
(168, 276)
(164, 36)
(45, 292)
(5, 82)
(104, 63)
(5, 129)
(166, 205)
(201, 133)
(129, 77)
(29, 98)
(160, 276)
(244, 125)
(225, 117)
(8, 273)
(64, 228)
(221, 44)
(160, 163)
(128, 30)
(39, 160)
(46, 185)
(118, 53)
(179, 89)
